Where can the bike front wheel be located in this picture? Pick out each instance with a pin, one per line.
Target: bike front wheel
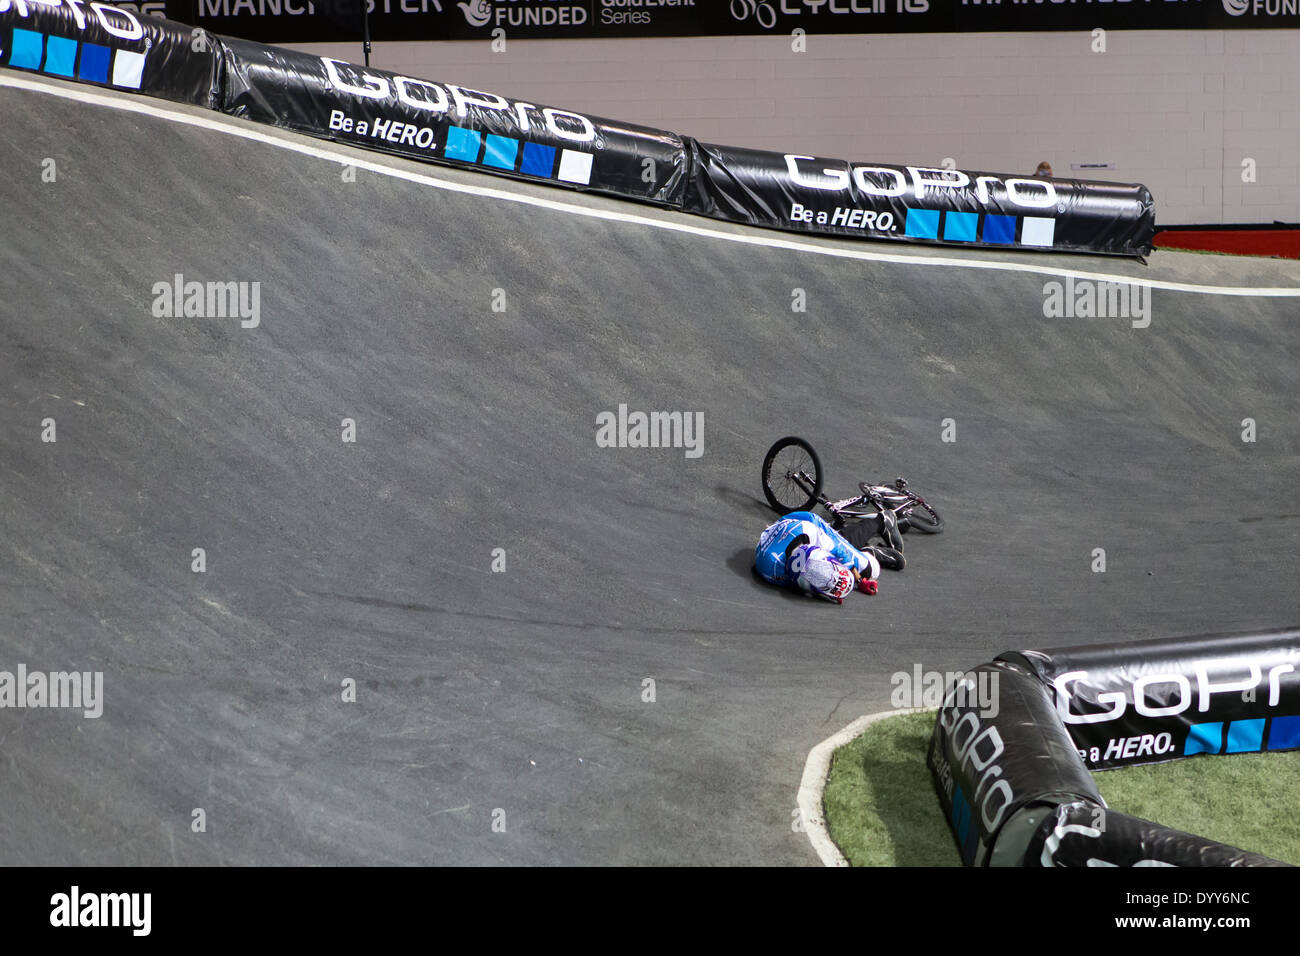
(792, 475)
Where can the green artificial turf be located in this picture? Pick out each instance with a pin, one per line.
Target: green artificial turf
(1244, 800)
(881, 808)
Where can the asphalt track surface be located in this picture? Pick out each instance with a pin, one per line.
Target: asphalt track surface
(521, 691)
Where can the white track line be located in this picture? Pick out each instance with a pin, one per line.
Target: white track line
(813, 784)
(234, 127)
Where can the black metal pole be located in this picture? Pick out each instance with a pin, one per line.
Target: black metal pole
(365, 28)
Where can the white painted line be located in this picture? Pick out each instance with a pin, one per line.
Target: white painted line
(813, 784)
(231, 126)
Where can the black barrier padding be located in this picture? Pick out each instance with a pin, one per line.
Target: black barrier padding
(997, 749)
(1147, 702)
(113, 47)
(446, 123)
(918, 203)
(1078, 834)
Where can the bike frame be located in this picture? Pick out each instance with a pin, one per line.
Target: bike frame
(880, 497)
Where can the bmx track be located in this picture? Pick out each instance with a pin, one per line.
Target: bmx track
(371, 561)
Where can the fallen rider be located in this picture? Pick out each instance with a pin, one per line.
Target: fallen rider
(802, 550)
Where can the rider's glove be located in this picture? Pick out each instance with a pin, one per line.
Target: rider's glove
(867, 586)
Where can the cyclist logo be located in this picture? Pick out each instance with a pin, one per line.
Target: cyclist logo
(762, 11)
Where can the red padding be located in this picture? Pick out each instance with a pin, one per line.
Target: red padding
(1241, 242)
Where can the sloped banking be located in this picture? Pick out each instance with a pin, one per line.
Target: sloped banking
(444, 123)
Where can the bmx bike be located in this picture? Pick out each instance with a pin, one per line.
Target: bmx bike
(792, 481)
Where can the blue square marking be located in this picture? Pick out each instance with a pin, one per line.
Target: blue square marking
(60, 55)
(501, 152)
(1245, 736)
(462, 144)
(1284, 733)
(94, 63)
(960, 814)
(1203, 739)
(27, 49)
(923, 223)
(960, 226)
(1000, 229)
(538, 160)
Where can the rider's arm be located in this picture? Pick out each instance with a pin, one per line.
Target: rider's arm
(865, 584)
(862, 562)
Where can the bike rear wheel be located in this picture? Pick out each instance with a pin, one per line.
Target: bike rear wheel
(923, 518)
(787, 458)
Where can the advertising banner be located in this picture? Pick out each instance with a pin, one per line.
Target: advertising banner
(1150, 701)
(916, 203)
(998, 749)
(446, 123)
(106, 45)
(303, 21)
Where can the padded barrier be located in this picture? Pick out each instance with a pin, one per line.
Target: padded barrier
(1012, 768)
(444, 123)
